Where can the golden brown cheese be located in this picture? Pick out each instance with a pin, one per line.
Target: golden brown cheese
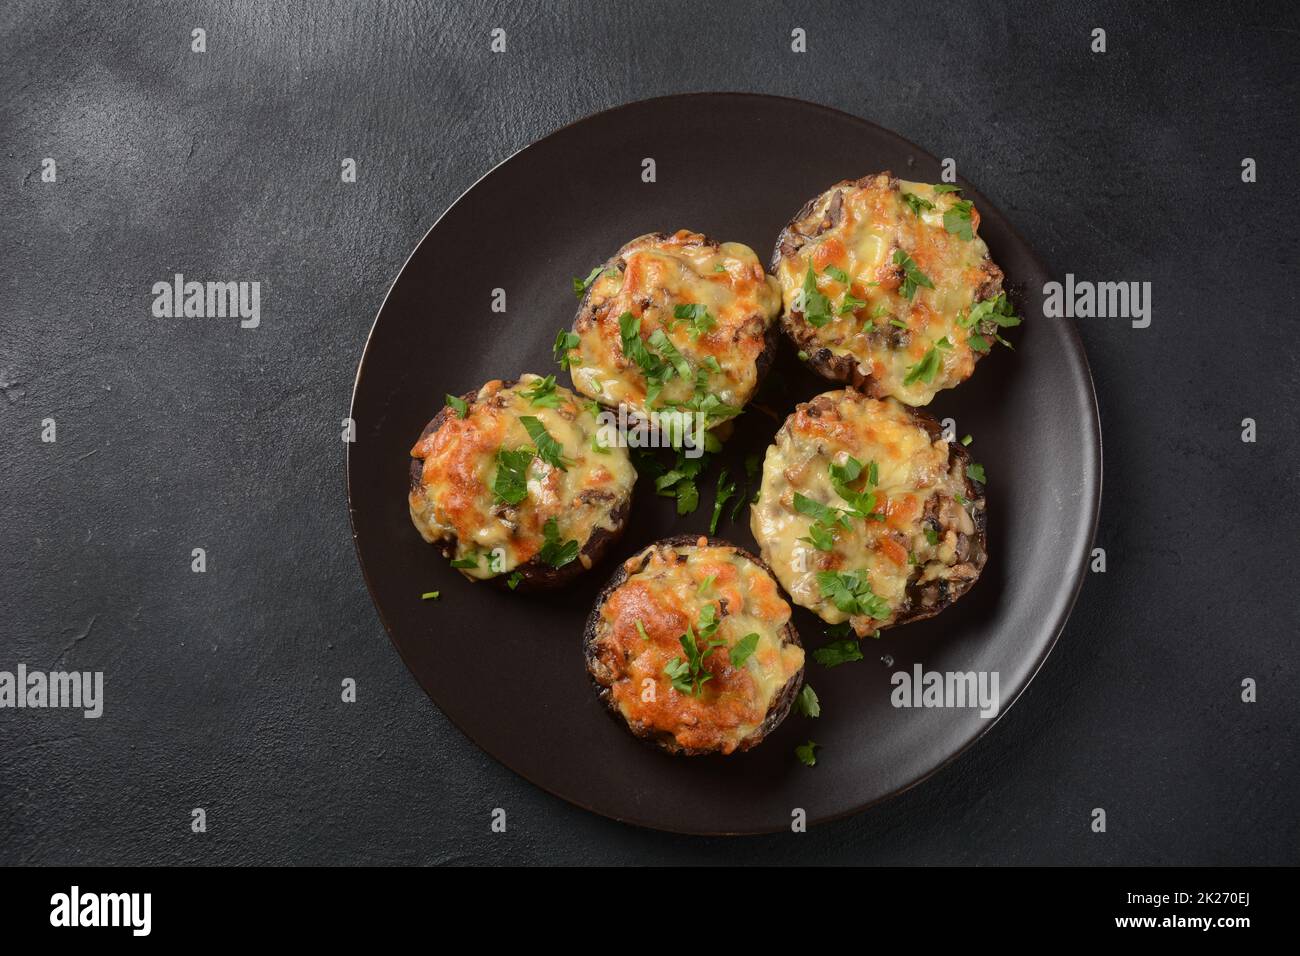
(639, 633)
(877, 327)
(925, 545)
(653, 279)
(455, 497)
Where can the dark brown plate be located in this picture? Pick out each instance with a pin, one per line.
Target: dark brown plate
(508, 669)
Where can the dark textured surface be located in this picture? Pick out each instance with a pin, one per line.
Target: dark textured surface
(223, 688)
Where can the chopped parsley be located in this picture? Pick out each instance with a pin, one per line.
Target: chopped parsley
(689, 676)
(580, 286)
(470, 562)
(743, 649)
(967, 439)
(946, 188)
(543, 393)
(807, 703)
(850, 591)
(640, 629)
(807, 753)
(816, 307)
(430, 595)
(930, 363)
(931, 536)
(512, 582)
(838, 274)
(862, 504)
(838, 652)
(565, 342)
(705, 585)
(851, 303)
(553, 552)
(913, 277)
(679, 482)
(697, 314)
(510, 483)
(975, 472)
(916, 203)
(458, 405)
(548, 449)
(722, 493)
(663, 345)
(957, 219)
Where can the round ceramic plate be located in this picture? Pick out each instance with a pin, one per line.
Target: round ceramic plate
(507, 668)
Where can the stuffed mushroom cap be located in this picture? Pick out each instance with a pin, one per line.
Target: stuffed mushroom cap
(691, 647)
(675, 322)
(887, 286)
(867, 514)
(516, 482)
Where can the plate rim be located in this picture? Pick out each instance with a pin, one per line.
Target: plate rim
(1092, 423)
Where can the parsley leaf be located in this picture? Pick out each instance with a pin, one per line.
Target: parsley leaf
(743, 649)
(553, 552)
(838, 274)
(816, 307)
(721, 494)
(807, 753)
(543, 393)
(957, 219)
(913, 277)
(565, 342)
(510, 484)
(697, 314)
(862, 504)
(512, 582)
(838, 652)
(458, 405)
(850, 303)
(925, 369)
(580, 286)
(660, 342)
(470, 562)
(946, 188)
(640, 629)
(689, 676)
(548, 449)
(850, 591)
(916, 203)
(807, 703)
(975, 472)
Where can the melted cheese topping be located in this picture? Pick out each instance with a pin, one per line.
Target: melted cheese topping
(917, 492)
(666, 595)
(455, 499)
(874, 222)
(649, 277)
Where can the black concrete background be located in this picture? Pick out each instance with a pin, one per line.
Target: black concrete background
(223, 689)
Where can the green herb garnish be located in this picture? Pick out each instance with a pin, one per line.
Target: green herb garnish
(554, 552)
(510, 484)
(807, 703)
(807, 753)
(543, 393)
(458, 405)
(913, 277)
(743, 649)
(850, 591)
(957, 219)
(548, 449)
(816, 307)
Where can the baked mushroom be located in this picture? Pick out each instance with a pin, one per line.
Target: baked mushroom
(887, 286)
(519, 482)
(691, 647)
(867, 514)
